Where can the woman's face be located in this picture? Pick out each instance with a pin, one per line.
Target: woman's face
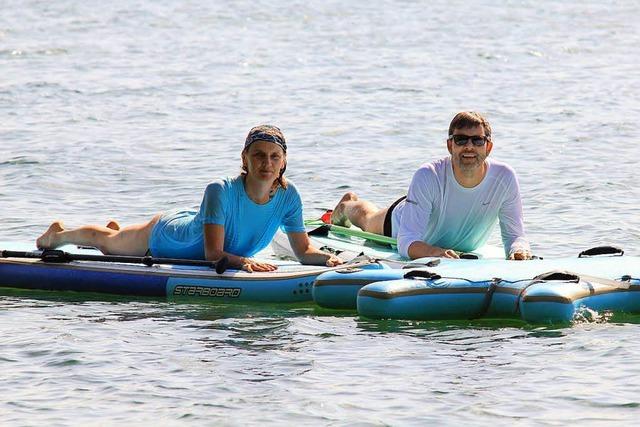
(264, 160)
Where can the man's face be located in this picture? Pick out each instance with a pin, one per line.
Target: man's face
(468, 157)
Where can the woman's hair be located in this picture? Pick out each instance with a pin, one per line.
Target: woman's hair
(272, 134)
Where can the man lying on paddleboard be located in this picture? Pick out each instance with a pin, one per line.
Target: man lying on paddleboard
(452, 203)
(238, 217)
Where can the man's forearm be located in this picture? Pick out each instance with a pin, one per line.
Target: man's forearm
(419, 249)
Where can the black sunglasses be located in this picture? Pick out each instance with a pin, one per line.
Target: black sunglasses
(462, 140)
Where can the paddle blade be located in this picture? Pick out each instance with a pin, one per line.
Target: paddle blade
(326, 217)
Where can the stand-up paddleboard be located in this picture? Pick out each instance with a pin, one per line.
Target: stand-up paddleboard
(71, 268)
(549, 290)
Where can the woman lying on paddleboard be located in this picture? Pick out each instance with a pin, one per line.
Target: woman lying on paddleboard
(238, 217)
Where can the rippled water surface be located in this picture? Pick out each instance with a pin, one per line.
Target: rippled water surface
(124, 109)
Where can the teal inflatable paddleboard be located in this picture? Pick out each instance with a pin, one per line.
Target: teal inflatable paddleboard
(549, 290)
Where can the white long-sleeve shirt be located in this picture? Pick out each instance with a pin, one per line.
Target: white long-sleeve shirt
(441, 212)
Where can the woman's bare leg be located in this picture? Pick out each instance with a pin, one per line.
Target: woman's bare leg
(131, 240)
(361, 213)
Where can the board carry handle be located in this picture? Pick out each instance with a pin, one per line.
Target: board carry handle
(557, 275)
(422, 274)
(601, 250)
(58, 256)
(567, 276)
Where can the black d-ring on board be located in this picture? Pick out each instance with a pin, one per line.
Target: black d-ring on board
(601, 250)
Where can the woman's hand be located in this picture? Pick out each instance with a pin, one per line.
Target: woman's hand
(307, 254)
(214, 250)
(251, 265)
(333, 260)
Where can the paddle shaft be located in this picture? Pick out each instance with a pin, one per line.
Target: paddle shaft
(61, 257)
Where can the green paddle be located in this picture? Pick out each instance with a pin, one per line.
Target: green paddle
(323, 227)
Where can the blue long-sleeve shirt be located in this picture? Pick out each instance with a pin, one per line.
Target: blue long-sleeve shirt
(441, 212)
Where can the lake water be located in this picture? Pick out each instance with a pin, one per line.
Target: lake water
(128, 108)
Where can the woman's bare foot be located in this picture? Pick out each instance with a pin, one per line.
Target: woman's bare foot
(338, 217)
(113, 224)
(49, 239)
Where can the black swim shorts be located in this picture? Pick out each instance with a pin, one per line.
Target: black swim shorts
(386, 228)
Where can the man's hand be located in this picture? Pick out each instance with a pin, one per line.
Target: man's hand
(520, 255)
(449, 253)
(419, 249)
